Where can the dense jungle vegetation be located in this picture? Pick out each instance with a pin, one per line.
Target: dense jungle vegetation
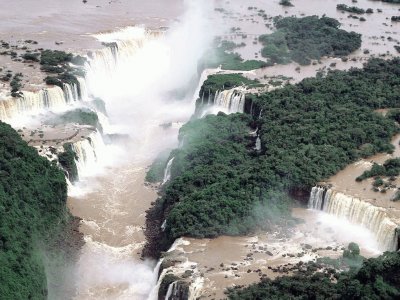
(217, 188)
(305, 39)
(378, 278)
(33, 194)
(308, 131)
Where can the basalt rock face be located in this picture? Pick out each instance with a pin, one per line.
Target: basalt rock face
(301, 195)
(179, 279)
(178, 290)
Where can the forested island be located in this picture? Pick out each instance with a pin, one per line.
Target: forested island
(305, 39)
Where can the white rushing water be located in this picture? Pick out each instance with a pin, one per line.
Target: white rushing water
(232, 100)
(227, 101)
(358, 212)
(167, 172)
(32, 102)
(137, 75)
(49, 98)
(88, 153)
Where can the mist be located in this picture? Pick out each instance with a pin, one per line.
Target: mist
(151, 84)
(140, 94)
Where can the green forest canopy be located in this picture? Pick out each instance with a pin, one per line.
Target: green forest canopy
(378, 278)
(33, 195)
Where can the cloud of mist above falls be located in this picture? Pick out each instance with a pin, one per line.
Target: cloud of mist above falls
(141, 93)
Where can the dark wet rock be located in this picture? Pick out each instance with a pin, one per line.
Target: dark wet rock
(187, 274)
(180, 291)
(167, 280)
(307, 246)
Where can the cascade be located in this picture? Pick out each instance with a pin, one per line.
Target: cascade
(183, 288)
(231, 101)
(154, 292)
(87, 152)
(167, 172)
(171, 288)
(164, 225)
(121, 45)
(195, 288)
(358, 212)
(32, 102)
(68, 93)
(258, 144)
(48, 98)
(317, 197)
(76, 92)
(82, 90)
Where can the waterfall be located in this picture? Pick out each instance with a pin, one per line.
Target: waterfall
(170, 290)
(195, 288)
(68, 93)
(231, 101)
(176, 265)
(158, 277)
(121, 46)
(227, 101)
(258, 144)
(87, 152)
(47, 98)
(164, 225)
(76, 92)
(83, 90)
(32, 102)
(317, 197)
(358, 212)
(167, 172)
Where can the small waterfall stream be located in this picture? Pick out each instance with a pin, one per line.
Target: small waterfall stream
(167, 172)
(87, 152)
(230, 100)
